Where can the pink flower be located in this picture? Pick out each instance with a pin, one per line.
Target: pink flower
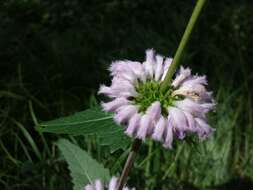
(146, 111)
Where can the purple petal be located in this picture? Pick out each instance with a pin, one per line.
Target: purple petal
(145, 124)
(122, 70)
(149, 63)
(125, 113)
(137, 69)
(183, 74)
(106, 91)
(195, 80)
(122, 87)
(178, 120)
(113, 184)
(190, 122)
(114, 105)
(117, 91)
(190, 106)
(166, 66)
(207, 97)
(133, 125)
(117, 81)
(159, 67)
(154, 110)
(98, 185)
(208, 106)
(89, 187)
(169, 134)
(119, 67)
(159, 129)
(204, 130)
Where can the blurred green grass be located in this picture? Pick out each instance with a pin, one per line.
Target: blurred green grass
(54, 55)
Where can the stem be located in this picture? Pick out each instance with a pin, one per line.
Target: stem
(129, 163)
(183, 42)
(147, 170)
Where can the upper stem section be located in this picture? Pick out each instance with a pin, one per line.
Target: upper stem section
(183, 43)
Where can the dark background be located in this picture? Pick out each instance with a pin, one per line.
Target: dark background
(54, 55)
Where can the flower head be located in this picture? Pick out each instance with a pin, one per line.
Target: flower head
(98, 185)
(146, 111)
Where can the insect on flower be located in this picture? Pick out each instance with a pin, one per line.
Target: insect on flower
(146, 110)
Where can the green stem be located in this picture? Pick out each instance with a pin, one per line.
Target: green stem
(147, 170)
(183, 43)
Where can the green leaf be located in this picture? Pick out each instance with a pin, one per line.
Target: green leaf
(83, 168)
(91, 121)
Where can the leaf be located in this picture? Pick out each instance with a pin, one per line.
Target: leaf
(91, 121)
(83, 168)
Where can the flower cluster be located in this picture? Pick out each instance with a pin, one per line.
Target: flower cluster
(146, 110)
(98, 185)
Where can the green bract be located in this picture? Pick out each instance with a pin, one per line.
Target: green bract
(149, 92)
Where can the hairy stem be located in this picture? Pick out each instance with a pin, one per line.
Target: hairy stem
(183, 43)
(129, 163)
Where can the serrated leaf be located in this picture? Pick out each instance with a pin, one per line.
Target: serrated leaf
(83, 168)
(91, 121)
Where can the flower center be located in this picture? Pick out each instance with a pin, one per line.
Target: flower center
(149, 92)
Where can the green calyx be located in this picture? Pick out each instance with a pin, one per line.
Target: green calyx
(149, 92)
